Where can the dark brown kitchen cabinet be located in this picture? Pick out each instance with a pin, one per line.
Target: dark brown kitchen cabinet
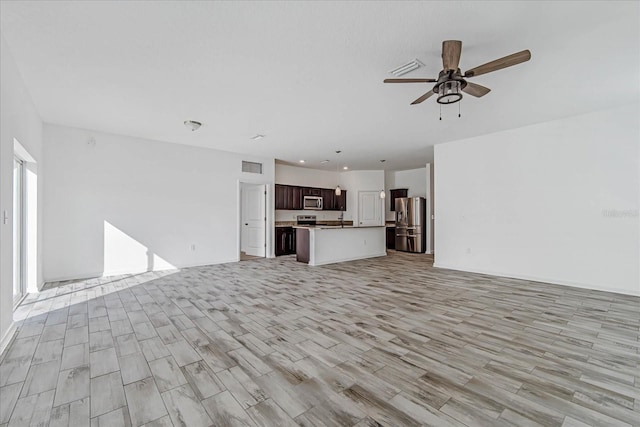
(340, 202)
(297, 198)
(396, 194)
(281, 197)
(391, 237)
(291, 197)
(285, 241)
(327, 199)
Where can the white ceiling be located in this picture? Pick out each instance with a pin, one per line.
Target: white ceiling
(309, 75)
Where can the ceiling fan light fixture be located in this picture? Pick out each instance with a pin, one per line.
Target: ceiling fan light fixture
(449, 92)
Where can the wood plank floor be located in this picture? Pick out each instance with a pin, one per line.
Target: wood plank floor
(271, 342)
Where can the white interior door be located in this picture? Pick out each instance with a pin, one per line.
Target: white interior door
(253, 220)
(369, 208)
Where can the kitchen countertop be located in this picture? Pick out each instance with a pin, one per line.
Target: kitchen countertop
(333, 227)
(324, 223)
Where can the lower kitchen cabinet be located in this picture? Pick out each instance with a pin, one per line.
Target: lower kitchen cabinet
(391, 237)
(285, 241)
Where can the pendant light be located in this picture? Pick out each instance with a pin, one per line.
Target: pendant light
(338, 189)
(382, 193)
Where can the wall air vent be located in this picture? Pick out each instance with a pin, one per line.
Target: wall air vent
(251, 167)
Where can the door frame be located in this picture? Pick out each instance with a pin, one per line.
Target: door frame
(269, 214)
(22, 246)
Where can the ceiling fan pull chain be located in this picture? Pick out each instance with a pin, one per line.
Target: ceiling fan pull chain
(440, 111)
(459, 109)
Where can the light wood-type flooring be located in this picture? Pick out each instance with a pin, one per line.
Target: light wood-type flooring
(271, 342)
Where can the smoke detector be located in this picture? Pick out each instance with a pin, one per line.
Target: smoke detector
(192, 124)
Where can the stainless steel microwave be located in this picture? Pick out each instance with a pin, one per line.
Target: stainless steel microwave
(313, 203)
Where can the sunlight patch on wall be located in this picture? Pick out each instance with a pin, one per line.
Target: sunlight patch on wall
(124, 254)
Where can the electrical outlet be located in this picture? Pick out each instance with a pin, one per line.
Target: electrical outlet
(193, 247)
(468, 251)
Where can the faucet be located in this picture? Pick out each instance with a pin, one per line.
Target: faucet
(341, 219)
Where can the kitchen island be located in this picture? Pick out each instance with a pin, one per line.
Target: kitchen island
(320, 245)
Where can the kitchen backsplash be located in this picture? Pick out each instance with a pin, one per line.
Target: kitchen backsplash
(320, 215)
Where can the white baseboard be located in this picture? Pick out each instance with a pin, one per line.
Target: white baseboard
(6, 339)
(541, 279)
(93, 275)
(335, 261)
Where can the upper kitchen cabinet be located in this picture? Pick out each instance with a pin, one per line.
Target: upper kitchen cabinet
(340, 202)
(297, 198)
(396, 194)
(327, 199)
(281, 197)
(290, 197)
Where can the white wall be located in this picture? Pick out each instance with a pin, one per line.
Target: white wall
(355, 181)
(415, 180)
(19, 119)
(116, 204)
(556, 202)
(306, 177)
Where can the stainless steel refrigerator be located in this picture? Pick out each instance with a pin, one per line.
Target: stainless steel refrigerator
(411, 224)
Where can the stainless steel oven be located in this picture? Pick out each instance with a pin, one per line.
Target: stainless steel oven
(313, 203)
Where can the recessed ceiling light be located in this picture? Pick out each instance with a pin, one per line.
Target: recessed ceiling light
(192, 124)
(346, 167)
(301, 161)
(257, 137)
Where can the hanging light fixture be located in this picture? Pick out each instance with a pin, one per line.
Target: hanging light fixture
(338, 189)
(382, 193)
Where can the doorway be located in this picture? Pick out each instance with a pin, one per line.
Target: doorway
(19, 282)
(253, 225)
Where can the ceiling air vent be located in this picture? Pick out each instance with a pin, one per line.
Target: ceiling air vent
(251, 167)
(414, 64)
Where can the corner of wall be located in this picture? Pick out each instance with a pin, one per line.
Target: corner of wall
(7, 338)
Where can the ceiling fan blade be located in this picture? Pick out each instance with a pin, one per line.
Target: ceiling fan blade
(410, 80)
(476, 90)
(451, 50)
(499, 64)
(422, 98)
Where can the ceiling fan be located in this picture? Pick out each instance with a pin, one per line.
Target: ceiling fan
(451, 80)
